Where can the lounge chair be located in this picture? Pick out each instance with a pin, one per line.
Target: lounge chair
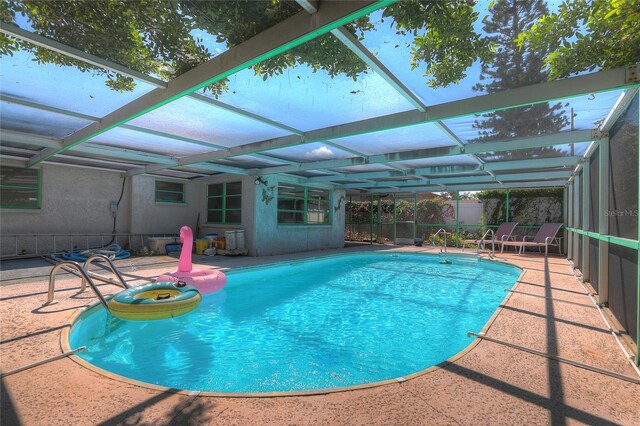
(502, 234)
(545, 237)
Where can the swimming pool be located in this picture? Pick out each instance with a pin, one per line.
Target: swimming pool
(315, 324)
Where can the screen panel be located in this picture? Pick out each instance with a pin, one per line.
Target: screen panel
(623, 286)
(623, 186)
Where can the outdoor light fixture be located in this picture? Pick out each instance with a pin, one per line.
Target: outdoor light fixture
(260, 180)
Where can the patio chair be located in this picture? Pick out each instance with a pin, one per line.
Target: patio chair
(502, 234)
(545, 237)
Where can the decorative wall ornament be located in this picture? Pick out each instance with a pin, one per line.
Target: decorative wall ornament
(340, 200)
(267, 194)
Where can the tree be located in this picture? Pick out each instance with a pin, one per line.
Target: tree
(511, 67)
(585, 35)
(445, 43)
(155, 36)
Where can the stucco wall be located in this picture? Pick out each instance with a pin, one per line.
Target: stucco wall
(150, 217)
(77, 201)
(73, 200)
(271, 238)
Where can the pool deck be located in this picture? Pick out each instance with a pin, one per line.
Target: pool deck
(489, 383)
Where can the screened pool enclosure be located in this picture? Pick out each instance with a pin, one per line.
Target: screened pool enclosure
(284, 118)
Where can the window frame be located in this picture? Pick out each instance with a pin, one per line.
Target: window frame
(305, 211)
(167, 191)
(224, 208)
(37, 188)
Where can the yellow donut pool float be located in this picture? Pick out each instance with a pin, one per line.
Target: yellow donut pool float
(155, 301)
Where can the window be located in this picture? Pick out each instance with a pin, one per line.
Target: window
(224, 203)
(302, 205)
(169, 192)
(19, 188)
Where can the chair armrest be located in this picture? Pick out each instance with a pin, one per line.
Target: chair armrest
(527, 236)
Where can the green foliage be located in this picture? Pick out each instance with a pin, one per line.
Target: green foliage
(453, 240)
(155, 37)
(511, 67)
(586, 35)
(445, 42)
(435, 210)
(526, 206)
(148, 36)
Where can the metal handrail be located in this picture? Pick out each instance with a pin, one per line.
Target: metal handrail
(433, 240)
(77, 266)
(112, 267)
(493, 240)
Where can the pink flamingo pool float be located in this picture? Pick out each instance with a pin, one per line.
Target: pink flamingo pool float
(205, 280)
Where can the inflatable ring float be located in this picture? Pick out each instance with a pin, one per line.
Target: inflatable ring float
(155, 301)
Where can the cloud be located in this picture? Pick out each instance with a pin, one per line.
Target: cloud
(321, 153)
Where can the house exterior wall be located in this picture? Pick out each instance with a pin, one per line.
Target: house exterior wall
(272, 239)
(150, 217)
(73, 200)
(77, 201)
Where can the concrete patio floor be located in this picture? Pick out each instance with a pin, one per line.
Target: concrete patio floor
(490, 383)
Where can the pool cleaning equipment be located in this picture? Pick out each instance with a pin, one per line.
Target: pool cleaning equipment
(153, 301)
(205, 280)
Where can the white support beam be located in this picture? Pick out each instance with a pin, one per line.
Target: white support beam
(567, 162)
(71, 52)
(535, 176)
(562, 138)
(436, 170)
(537, 163)
(604, 172)
(534, 94)
(310, 6)
(619, 108)
(67, 113)
(353, 44)
(247, 114)
(344, 148)
(292, 32)
(22, 138)
(473, 187)
(586, 225)
(220, 168)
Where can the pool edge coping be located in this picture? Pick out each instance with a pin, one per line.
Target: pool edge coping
(65, 347)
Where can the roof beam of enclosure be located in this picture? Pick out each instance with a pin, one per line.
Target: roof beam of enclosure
(105, 151)
(112, 66)
(618, 109)
(472, 187)
(528, 95)
(353, 44)
(566, 162)
(13, 100)
(292, 32)
(310, 6)
(71, 52)
(466, 179)
(562, 138)
(49, 142)
(34, 105)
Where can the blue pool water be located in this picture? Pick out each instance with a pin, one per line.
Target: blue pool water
(321, 323)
